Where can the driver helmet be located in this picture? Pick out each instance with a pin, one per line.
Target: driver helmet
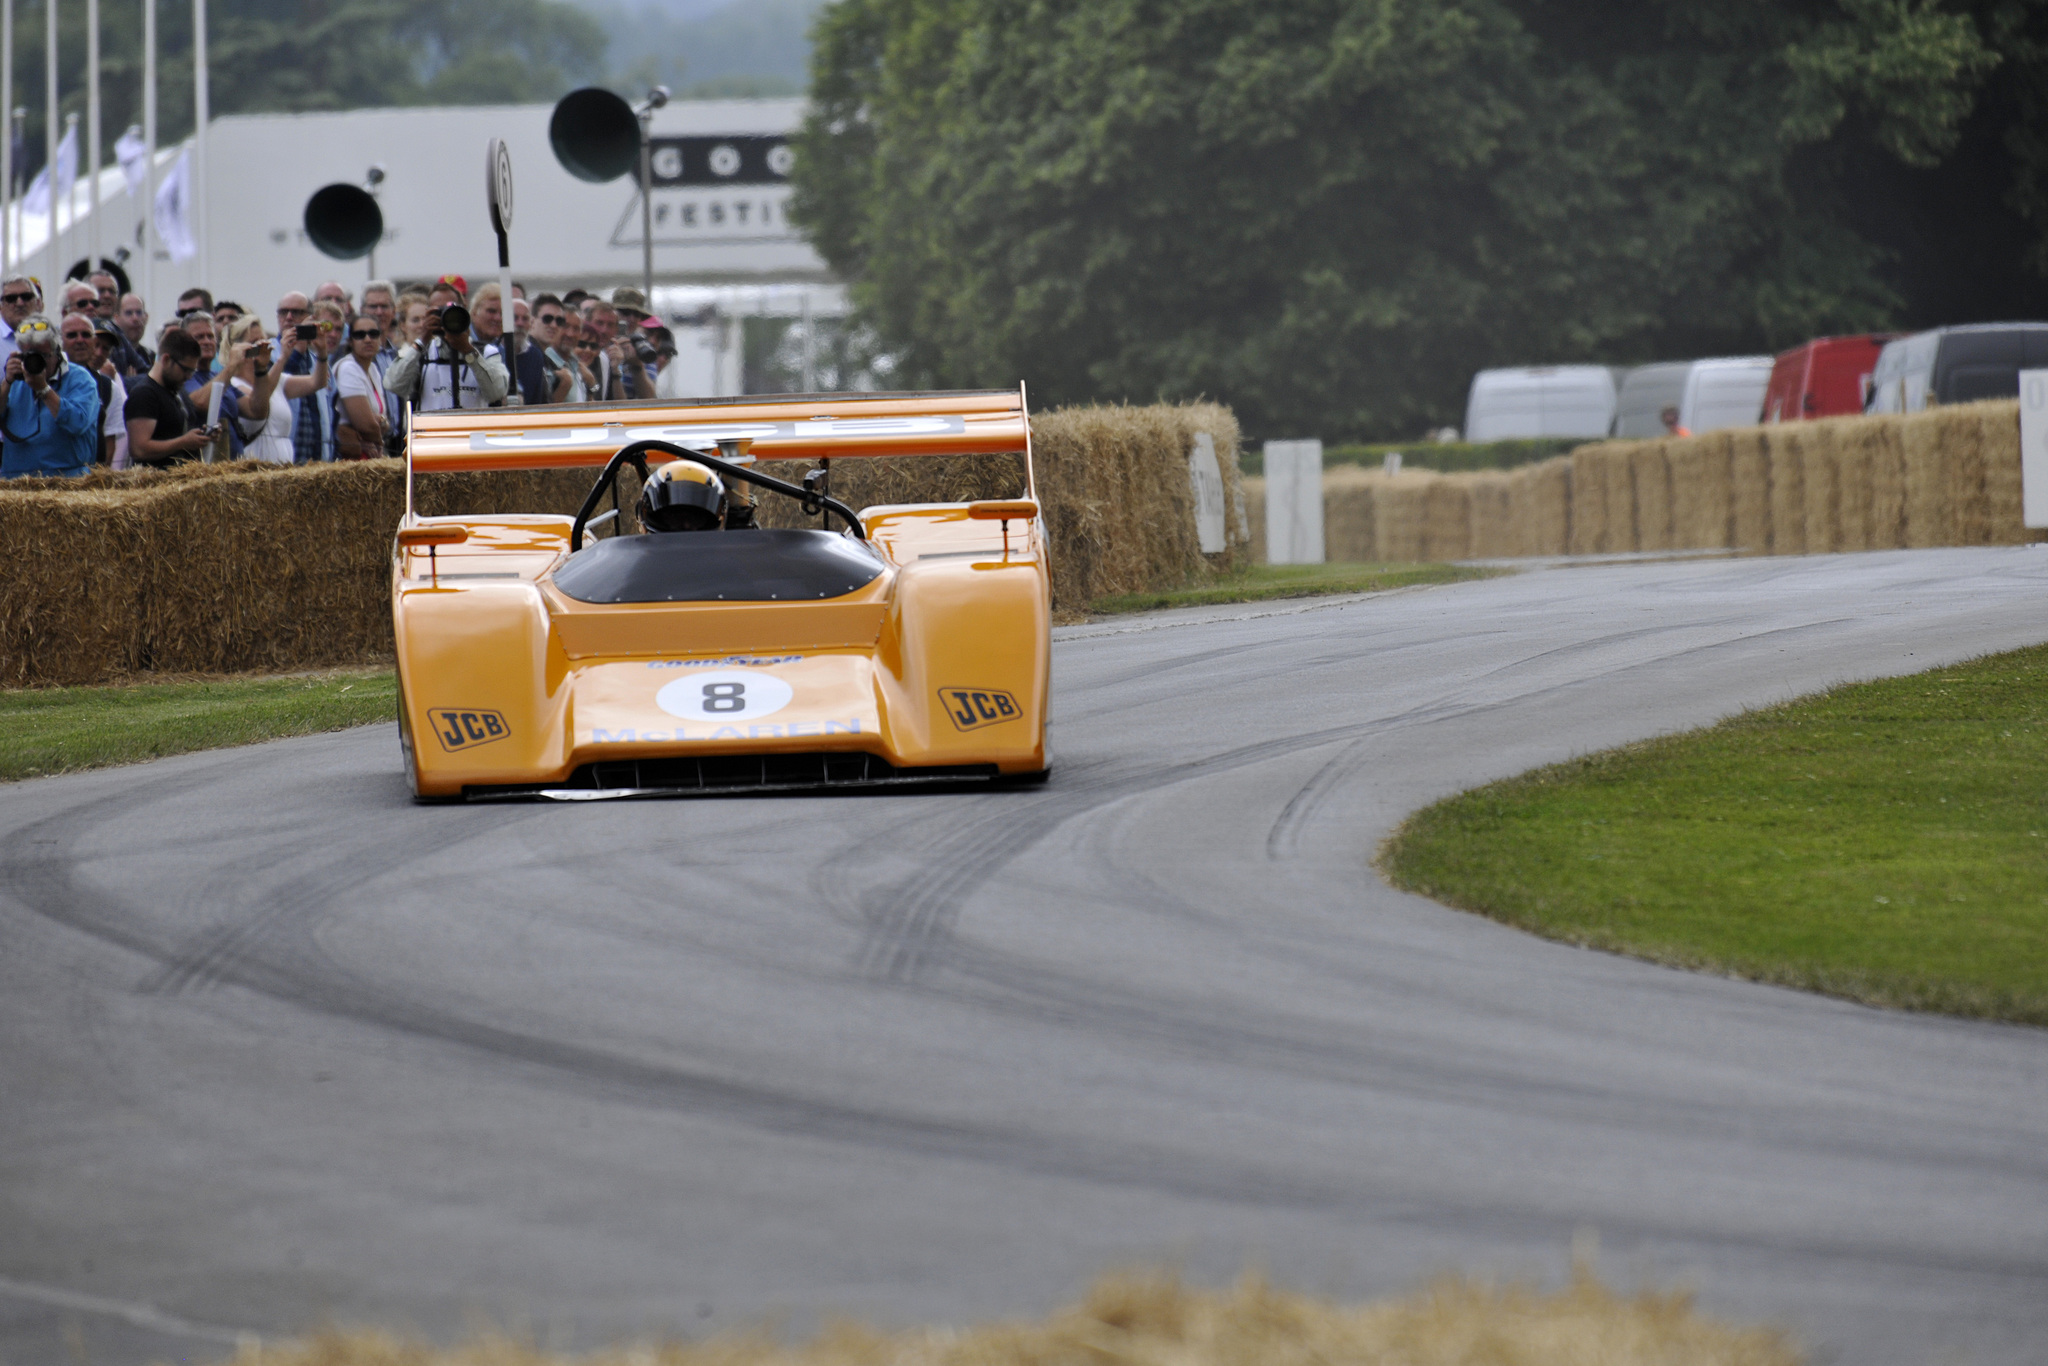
(682, 496)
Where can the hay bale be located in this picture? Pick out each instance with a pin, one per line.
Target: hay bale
(1971, 434)
(1349, 531)
(1617, 468)
(1999, 442)
(1882, 454)
(1928, 514)
(67, 603)
(1822, 502)
(1852, 456)
(1785, 456)
(1401, 515)
(1254, 486)
(1540, 507)
(1749, 478)
(1590, 512)
(1650, 473)
(1701, 491)
(1493, 531)
(1447, 518)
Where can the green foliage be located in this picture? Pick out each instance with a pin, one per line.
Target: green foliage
(57, 730)
(1330, 213)
(1884, 841)
(739, 50)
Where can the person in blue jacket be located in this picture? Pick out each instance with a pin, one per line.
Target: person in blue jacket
(51, 408)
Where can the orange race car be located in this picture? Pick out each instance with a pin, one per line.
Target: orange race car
(893, 645)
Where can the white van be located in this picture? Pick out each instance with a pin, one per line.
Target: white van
(1955, 365)
(1540, 400)
(1727, 391)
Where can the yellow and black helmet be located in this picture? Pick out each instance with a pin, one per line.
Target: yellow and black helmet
(682, 496)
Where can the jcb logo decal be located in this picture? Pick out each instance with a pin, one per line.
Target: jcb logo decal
(972, 708)
(464, 728)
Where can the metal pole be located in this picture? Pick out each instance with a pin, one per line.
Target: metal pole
(7, 150)
(92, 118)
(200, 115)
(50, 137)
(17, 134)
(646, 212)
(810, 368)
(149, 157)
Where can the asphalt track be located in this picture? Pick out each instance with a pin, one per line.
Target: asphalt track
(278, 1047)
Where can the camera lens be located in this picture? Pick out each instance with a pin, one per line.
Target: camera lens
(34, 362)
(455, 318)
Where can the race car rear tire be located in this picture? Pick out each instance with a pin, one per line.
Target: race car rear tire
(412, 773)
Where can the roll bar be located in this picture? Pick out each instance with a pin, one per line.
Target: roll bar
(637, 453)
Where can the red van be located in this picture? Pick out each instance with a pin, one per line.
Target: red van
(1826, 377)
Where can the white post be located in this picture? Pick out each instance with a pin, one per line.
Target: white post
(200, 114)
(67, 238)
(2034, 448)
(149, 158)
(50, 139)
(1294, 502)
(92, 120)
(6, 134)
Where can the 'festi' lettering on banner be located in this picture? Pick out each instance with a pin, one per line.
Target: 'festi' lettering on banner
(631, 735)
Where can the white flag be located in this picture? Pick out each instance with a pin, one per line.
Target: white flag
(37, 201)
(173, 209)
(134, 155)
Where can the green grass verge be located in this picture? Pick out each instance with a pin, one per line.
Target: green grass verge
(1264, 581)
(1886, 842)
(57, 730)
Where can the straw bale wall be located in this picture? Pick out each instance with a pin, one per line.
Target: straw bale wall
(1702, 491)
(1949, 476)
(242, 567)
(1350, 525)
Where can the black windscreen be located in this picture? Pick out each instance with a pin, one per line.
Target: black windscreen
(719, 566)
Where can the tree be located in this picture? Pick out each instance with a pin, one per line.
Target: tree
(1329, 213)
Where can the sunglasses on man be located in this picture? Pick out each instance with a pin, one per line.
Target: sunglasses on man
(24, 297)
(553, 319)
(361, 332)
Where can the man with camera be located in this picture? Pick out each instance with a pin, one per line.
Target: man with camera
(161, 429)
(448, 368)
(53, 406)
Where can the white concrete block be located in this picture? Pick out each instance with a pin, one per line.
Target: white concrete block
(1294, 502)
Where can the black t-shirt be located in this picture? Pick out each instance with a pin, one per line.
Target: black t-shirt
(148, 399)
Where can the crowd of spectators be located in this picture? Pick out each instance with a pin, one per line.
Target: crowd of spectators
(333, 379)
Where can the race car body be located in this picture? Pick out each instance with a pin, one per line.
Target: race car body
(904, 644)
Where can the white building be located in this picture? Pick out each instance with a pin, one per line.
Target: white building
(721, 234)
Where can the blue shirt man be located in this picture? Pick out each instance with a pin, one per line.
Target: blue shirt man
(52, 426)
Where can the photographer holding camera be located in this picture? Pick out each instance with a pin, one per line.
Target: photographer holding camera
(448, 368)
(52, 423)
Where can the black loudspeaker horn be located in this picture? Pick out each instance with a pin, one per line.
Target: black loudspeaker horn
(83, 267)
(595, 134)
(344, 221)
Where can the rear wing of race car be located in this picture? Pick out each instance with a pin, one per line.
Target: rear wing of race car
(779, 427)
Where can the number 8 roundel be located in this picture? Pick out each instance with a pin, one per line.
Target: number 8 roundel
(724, 695)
